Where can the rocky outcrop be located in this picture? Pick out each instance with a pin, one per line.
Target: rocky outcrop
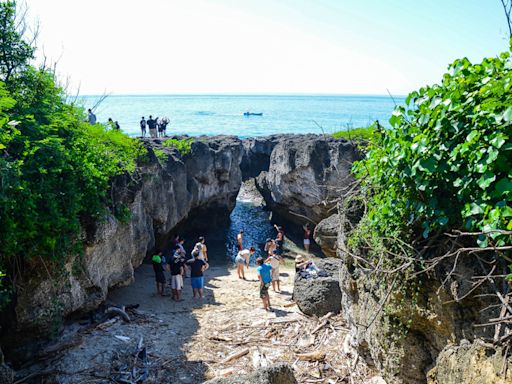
(275, 374)
(326, 234)
(307, 175)
(257, 152)
(471, 363)
(166, 188)
(319, 295)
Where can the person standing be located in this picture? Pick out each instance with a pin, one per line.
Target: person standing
(240, 240)
(270, 246)
(202, 249)
(197, 267)
(177, 271)
(91, 117)
(307, 236)
(111, 123)
(143, 127)
(158, 267)
(117, 126)
(279, 239)
(265, 278)
(243, 258)
(152, 126)
(275, 260)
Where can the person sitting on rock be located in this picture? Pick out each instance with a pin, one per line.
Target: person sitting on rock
(301, 263)
(265, 277)
(275, 260)
(158, 267)
(243, 258)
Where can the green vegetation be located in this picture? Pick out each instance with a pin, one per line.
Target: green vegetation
(359, 134)
(184, 146)
(447, 161)
(55, 169)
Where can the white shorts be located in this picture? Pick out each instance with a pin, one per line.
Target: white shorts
(176, 282)
(306, 242)
(275, 274)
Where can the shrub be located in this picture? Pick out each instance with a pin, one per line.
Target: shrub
(184, 146)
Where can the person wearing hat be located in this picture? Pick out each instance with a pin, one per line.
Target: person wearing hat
(240, 240)
(300, 263)
(270, 246)
(201, 249)
(158, 267)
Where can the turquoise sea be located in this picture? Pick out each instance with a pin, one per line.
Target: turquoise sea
(223, 114)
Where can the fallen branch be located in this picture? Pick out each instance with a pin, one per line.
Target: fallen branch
(117, 312)
(235, 355)
(311, 356)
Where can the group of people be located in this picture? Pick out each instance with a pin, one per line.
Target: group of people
(157, 126)
(180, 265)
(91, 119)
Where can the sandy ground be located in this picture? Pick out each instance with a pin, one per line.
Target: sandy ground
(189, 341)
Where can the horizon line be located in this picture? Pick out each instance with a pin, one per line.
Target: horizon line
(245, 94)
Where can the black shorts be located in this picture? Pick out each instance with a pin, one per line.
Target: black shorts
(160, 277)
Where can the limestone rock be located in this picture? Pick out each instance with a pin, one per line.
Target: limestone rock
(470, 363)
(321, 295)
(326, 234)
(307, 175)
(275, 374)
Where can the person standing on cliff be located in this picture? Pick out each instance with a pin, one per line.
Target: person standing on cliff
(91, 117)
(152, 126)
(265, 278)
(240, 240)
(143, 127)
(307, 236)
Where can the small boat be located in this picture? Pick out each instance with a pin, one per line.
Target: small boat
(252, 114)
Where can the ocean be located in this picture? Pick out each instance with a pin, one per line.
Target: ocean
(224, 114)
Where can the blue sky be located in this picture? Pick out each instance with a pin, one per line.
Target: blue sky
(264, 46)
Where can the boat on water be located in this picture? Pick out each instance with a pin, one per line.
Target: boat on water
(252, 114)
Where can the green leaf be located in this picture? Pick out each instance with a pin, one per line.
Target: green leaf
(507, 115)
(503, 186)
(486, 179)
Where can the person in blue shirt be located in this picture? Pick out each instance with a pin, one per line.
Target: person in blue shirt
(265, 276)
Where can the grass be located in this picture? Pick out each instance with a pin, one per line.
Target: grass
(356, 133)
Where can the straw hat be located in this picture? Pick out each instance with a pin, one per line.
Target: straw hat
(300, 259)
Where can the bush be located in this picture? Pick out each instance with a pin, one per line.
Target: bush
(446, 163)
(184, 146)
(358, 134)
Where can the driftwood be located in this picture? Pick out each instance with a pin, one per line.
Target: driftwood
(59, 347)
(311, 356)
(236, 355)
(118, 312)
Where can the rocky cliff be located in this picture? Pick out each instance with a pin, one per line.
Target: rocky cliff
(164, 190)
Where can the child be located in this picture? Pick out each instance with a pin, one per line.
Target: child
(158, 267)
(197, 267)
(274, 261)
(264, 276)
(177, 271)
(243, 258)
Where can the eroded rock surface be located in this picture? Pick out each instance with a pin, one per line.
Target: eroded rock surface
(163, 192)
(326, 234)
(307, 175)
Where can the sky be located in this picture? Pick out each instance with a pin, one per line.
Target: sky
(263, 46)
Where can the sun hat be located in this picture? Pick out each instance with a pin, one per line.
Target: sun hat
(300, 259)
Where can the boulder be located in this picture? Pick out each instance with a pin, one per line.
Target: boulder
(275, 374)
(321, 295)
(326, 234)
